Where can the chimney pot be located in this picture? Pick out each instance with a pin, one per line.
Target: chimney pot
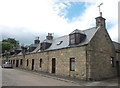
(50, 36)
(101, 14)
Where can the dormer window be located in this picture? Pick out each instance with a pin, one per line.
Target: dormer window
(45, 45)
(76, 37)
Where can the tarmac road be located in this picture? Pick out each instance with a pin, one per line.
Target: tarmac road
(16, 77)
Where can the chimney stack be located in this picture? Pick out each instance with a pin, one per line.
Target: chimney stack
(36, 41)
(100, 21)
(50, 36)
(100, 14)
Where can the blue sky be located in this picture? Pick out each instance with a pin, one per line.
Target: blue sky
(75, 10)
(26, 19)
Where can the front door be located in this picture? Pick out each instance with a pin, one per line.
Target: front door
(32, 64)
(53, 65)
(118, 69)
(17, 63)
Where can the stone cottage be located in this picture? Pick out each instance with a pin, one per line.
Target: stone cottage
(87, 55)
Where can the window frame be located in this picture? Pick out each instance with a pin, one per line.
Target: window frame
(72, 39)
(76, 38)
(112, 61)
(72, 64)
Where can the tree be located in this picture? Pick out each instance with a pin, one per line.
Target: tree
(6, 46)
(12, 41)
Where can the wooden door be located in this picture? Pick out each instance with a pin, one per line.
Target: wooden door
(32, 64)
(53, 65)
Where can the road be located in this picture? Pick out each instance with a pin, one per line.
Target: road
(15, 77)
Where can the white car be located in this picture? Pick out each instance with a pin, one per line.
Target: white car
(7, 65)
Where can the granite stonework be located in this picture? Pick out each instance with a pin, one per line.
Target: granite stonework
(99, 53)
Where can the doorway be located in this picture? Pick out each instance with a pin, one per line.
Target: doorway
(118, 69)
(17, 63)
(32, 64)
(53, 65)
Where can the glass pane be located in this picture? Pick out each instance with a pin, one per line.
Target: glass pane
(72, 66)
(72, 41)
(77, 35)
(72, 36)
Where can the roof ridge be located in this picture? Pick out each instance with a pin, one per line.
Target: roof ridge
(75, 29)
(89, 29)
(60, 37)
(116, 42)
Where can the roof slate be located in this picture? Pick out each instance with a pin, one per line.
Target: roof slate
(63, 41)
(89, 35)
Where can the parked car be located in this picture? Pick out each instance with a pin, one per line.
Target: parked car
(7, 65)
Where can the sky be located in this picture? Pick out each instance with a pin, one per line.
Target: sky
(26, 19)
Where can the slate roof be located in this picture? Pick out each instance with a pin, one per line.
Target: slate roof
(19, 53)
(65, 39)
(77, 31)
(56, 45)
(117, 46)
(37, 49)
(33, 45)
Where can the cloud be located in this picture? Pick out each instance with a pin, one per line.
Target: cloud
(110, 13)
(26, 19)
(113, 32)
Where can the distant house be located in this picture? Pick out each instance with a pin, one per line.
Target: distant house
(83, 54)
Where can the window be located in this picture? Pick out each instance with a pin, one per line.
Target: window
(21, 61)
(59, 42)
(40, 63)
(72, 41)
(72, 64)
(77, 38)
(74, 38)
(27, 62)
(112, 61)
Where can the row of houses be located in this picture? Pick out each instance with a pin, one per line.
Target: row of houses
(83, 54)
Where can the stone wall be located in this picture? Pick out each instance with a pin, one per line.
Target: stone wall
(92, 62)
(63, 62)
(62, 57)
(99, 53)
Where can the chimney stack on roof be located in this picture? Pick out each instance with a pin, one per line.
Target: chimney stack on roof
(100, 21)
(49, 36)
(36, 41)
(100, 14)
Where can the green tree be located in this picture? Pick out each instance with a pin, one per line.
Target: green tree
(6, 46)
(12, 41)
